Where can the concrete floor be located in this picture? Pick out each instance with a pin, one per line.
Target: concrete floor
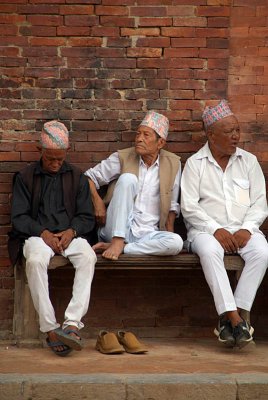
(173, 369)
(165, 356)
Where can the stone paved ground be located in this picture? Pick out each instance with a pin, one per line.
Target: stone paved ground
(174, 369)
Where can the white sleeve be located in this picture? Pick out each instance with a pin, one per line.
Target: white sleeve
(257, 211)
(174, 206)
(106, 171)
(190, 196)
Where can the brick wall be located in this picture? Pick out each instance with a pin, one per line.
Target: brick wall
(99, 65)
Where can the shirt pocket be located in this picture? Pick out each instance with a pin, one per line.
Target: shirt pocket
(241, 189)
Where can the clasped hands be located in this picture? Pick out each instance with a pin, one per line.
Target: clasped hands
(58, 241)
(231, 243)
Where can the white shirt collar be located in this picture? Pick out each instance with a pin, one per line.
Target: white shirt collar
(205, 152)
(155, 163)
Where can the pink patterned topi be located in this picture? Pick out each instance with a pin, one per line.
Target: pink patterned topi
(54, 135)
(158, 122)
(214, 114)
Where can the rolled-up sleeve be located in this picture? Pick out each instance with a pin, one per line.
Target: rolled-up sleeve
(105, 172)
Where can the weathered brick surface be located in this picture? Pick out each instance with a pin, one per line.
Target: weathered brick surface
(99, 65)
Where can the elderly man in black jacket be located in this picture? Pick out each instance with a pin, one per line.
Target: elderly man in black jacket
(52, 212)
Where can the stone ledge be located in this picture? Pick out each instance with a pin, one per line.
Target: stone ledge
(134, 386)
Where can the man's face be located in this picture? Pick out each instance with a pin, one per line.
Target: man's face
(147, 142)
(224, 135)
(52, 159)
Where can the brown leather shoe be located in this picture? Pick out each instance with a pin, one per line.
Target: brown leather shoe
(131, 343)
(107, 343)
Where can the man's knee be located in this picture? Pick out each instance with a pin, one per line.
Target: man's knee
(174, 243)
(127, 180)
(208, 248)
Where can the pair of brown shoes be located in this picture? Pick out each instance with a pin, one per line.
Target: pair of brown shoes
(109, 343)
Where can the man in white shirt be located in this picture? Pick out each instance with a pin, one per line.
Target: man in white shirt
(144, 204)
(223, 204)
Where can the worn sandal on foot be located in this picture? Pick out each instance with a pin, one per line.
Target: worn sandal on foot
(53, 345)
(69, 340)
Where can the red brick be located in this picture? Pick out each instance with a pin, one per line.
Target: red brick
(148, 11)
(153, 42)
(245, 89)
(108, 20)
(211, 32)
(187, 11)
(187, 21)
(8, 30)
(180, 52)
(111, 10)
(210, 74)
(250, 3)
(218, 43)
(38, 9)
(144, 52)
(38, 30)
(186, 105)
(140, 32)
(186, 84)
(73, 31)
(81, 20)
(157, 21)
(118, 42)
(219, 2)
(217, 63)
(119, 63)
(52, 20)
(178, 32)
(170, 63)
(51, 41)
(76, 10)
(213, 11)
(261, 10)
(218, 22)
(101, 31)
(11, 19)
(214, 53)
(9, 51)
(188, 42)
(177, 94)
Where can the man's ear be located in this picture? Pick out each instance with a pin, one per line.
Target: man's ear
(161, 143)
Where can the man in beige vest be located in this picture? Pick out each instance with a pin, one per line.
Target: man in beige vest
(143, 196)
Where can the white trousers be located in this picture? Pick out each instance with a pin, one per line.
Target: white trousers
(211, 253)
(118, 223)
(83, 258)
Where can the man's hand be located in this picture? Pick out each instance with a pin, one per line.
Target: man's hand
(170, 221)
(242, 237)
(98, 203)
(227, 240)
(65, 238)
(51, 240)
(100, 211)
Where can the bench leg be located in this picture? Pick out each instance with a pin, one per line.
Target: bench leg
(25, 320)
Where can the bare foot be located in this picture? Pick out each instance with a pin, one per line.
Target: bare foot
(52, 337)
(100, 247)
(114, 249)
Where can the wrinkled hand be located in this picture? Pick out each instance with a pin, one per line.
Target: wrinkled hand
(65, 238)
(100, 212)
(227, 240)
(170, 221)
(242, 237)
(51, 240)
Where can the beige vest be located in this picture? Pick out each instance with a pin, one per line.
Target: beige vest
(169, 165)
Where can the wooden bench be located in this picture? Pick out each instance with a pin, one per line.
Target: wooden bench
(25, 322)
